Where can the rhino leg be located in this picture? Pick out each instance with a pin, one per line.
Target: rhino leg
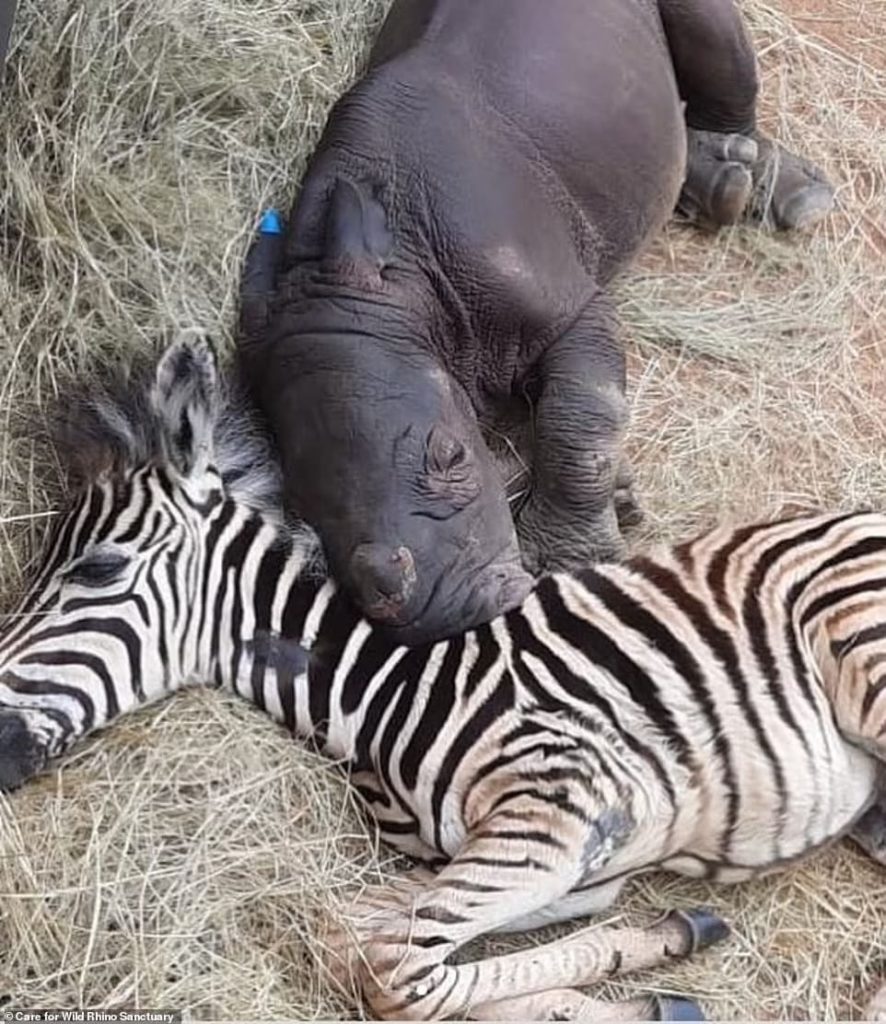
(714, 63)
(733, 171)
(581, 486)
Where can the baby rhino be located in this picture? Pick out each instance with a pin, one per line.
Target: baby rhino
(450, 254)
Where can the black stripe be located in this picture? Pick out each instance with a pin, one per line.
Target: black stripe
(336, 627)
(156, 522)
(580, 690)
(374, 652)
(48, 688)
(191, 580)
(521, 864)
(299, 601)
(840, 648)
(399, 828)
(178, 494)
(160, 605)
(440, 914)
(429, 941)
(755, 621)
(114, 600)
(719, 564)
(860, 549)
(378, 705)
(523, 836)
(871, 694)
(61, 549)
(171, 561)
(837, 596)
(167, 486)
(463, 885)
(371, 795)
(202, 508)
(123, 502)
(600, 649)
(496, 704)
(233, 558)
(213, 537)
(433, 1012)
(264, 589)
(487, 654)
(526, 727)
(575, 775)
(119, 629)
(92, 662)
(722, 646)
(410, 669)
(559, 798)
(667, 644)
(438, 707)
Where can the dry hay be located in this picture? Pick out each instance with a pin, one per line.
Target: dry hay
(184, 858)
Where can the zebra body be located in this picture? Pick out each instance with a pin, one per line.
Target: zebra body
(668, 719)
(716, 708)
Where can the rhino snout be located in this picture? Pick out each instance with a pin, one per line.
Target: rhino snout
(383, 579)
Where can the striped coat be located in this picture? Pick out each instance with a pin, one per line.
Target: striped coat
(716, 708)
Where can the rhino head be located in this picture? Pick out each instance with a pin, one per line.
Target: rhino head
(381, 448)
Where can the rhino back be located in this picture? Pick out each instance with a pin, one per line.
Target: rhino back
(524, 151)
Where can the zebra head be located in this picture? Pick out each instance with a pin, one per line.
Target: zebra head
(111, 619)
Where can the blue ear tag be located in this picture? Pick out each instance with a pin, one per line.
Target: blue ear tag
(270, 223)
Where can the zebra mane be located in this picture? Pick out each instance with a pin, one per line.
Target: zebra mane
(109, 426)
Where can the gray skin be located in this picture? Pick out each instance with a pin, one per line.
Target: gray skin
(470, 200)
(7, 13)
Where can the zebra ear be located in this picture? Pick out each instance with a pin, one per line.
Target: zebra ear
(185, 402)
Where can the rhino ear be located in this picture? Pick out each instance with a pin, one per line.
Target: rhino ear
(356, 228)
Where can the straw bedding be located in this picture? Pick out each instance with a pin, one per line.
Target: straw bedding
(186, 857)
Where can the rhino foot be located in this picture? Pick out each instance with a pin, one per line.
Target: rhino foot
(552, 540)
(790, 192)
(719, 177)
(628, 510)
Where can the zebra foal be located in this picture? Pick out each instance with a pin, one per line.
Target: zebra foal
(718, 709)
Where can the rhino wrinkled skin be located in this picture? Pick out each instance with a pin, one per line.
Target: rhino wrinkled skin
(470, 200)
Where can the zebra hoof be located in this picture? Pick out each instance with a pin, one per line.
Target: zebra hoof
(21, 755)
(674, 1008)
(698, 929)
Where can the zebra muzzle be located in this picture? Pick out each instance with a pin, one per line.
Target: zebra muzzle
(21, 754)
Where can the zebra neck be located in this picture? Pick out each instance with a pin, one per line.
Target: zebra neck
(314, 669)
(283, 638)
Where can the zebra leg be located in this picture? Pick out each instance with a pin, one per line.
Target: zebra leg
(570, 1004)
(403, 976)
(582, 903)
(511, 866)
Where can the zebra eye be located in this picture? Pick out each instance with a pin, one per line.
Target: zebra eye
(96, 569)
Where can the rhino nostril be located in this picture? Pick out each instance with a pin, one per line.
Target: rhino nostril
(383, 577)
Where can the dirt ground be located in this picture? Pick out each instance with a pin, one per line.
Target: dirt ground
(186, 857)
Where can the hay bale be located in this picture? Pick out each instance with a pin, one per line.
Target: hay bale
(186, 857)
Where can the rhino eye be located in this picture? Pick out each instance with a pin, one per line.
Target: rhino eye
(96, 570)
(445, 453)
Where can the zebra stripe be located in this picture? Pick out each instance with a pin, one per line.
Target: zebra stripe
(718, 708)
